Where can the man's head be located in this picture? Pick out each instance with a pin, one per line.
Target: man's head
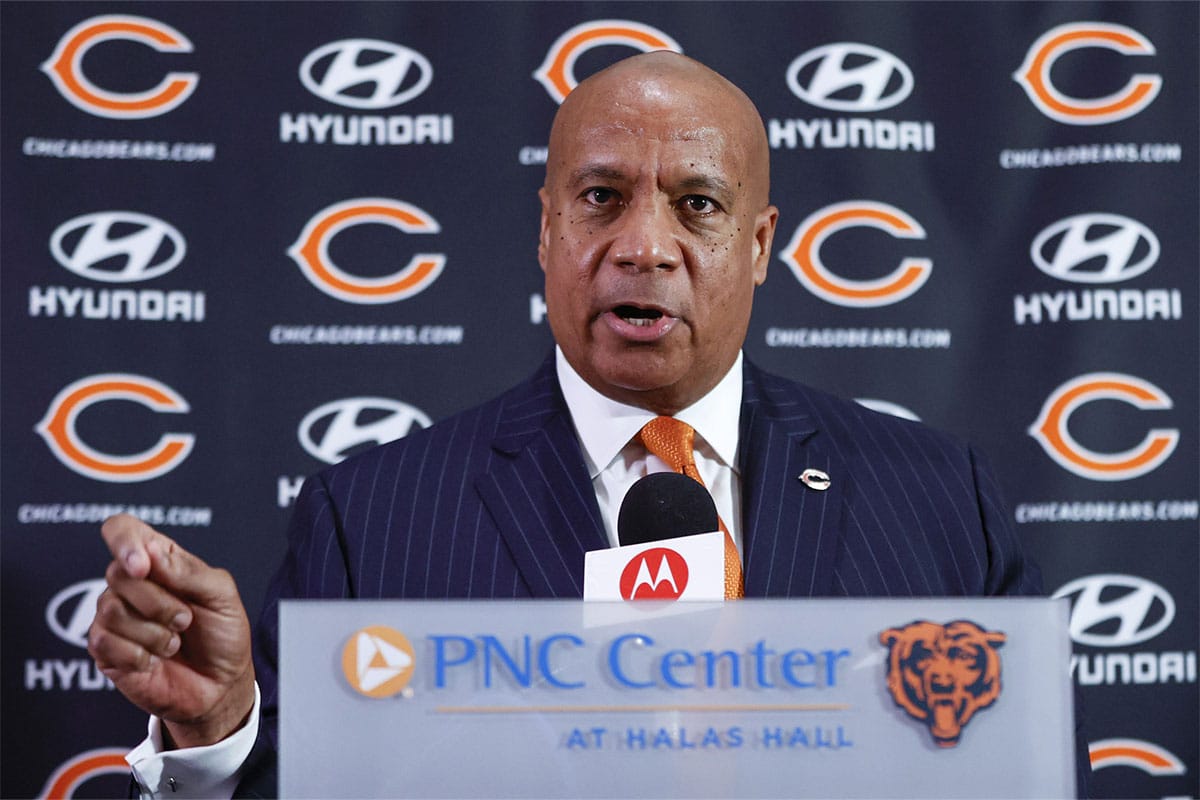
(656, 228)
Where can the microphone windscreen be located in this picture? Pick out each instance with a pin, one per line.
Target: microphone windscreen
(665, 505)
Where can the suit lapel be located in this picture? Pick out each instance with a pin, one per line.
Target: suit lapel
(538, 490)
(790, 530)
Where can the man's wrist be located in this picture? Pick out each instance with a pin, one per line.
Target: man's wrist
(228, 717)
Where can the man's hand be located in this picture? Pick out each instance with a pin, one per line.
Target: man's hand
(172, 634)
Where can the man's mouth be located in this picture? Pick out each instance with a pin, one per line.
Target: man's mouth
(642, 317)
(639, 323)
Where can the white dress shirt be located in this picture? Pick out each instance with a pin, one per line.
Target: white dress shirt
(615, 460)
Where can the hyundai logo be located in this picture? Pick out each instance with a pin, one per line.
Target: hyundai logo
(1117, 610)
(848, 76)
(365, 73)
(336, 429)
(70, 612)
(117, 246)
(1095, 248)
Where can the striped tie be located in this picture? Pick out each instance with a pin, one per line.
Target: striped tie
(671, 440)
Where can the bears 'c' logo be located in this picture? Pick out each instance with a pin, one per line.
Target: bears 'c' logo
(57, 428)
(65, 67)
(74, 772)
(943, 674)
(557, 72)
(1146, 756)
(803, 255)
(1034, 74)
(1051, 431)
(311, 251)
(378, 661)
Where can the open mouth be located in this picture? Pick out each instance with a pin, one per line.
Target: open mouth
(642, 317)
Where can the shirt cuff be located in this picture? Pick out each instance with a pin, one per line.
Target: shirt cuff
(212, 771)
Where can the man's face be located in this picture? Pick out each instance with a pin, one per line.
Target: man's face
(655, 233)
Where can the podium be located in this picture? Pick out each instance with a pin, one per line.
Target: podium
(947, 697)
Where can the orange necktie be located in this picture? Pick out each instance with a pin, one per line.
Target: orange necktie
(671, 440)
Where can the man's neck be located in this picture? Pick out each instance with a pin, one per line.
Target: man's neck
(604, 424)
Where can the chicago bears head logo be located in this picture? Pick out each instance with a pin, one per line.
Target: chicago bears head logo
(943, 674)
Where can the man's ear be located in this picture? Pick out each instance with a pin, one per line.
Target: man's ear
(544, 233)
(764, 235)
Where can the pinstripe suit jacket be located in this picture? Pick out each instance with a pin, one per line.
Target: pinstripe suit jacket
(496, 502)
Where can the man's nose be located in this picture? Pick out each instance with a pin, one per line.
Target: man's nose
(646, 238)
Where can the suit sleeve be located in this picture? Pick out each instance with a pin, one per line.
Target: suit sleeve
(1009, 571)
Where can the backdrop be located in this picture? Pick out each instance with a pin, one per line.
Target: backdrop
(242, 240)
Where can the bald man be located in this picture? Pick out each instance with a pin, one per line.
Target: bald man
(656, 230)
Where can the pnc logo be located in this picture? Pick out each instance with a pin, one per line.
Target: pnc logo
(557, 72)
(848, 76)
(1052, 433)
(659, 573)
(75, 771)
(378, 661)
(1117, 610)
(65, 67)
(1034, 74)
(942, 675)
(311, 251)
(117, 246)
(332, 431)
(57, 428)
(1116, 248)
(70, 612)
(1146, 756)
(365, 73)
(803, 255)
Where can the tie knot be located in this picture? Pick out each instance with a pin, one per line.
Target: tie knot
(671, 440)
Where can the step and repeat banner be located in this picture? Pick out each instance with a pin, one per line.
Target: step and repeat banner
(242, 240)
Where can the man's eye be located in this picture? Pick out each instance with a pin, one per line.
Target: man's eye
(600, 196)
(699, 204)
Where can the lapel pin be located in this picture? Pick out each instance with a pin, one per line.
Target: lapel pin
(815, 479)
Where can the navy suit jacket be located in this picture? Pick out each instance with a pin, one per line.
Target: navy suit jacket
(496, 502)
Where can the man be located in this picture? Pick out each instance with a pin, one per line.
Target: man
(656, 229)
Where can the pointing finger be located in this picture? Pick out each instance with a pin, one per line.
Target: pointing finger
(127, 538)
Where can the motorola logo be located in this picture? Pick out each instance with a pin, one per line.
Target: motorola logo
(1117, 610)
(70, 612)
(848, 76)
(333, 431)
(365, 73)
(659, 573)
(1095, 248)
(117, 246)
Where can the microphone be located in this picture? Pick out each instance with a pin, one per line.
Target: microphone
(671, 546)
(665, 505)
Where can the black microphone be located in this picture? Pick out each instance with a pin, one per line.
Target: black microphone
(665, 505)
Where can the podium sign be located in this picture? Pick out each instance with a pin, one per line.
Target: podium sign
(758, 698)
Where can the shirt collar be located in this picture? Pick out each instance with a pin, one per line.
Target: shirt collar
(605, 426)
